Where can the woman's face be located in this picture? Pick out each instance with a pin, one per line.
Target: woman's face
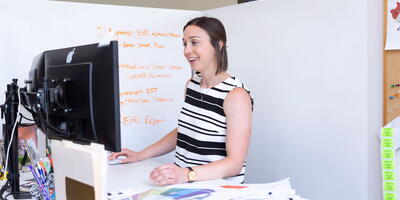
(198, 49)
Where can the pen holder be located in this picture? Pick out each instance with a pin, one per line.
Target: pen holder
(44, 187)
(38, 194)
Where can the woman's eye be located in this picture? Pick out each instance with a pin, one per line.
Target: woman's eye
(194, 43)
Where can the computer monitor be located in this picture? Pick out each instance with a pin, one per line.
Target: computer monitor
(74, 94)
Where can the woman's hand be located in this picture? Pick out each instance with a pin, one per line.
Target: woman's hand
(131, 156)
(169, 174)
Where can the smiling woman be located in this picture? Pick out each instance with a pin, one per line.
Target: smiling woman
(206, 36)
(214, 128)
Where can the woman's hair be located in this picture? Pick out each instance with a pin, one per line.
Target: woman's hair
(215, 29)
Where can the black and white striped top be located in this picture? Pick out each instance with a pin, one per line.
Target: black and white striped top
(202, 125)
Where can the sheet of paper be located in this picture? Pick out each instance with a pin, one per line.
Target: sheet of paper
(215, 190)
(393, 124)
(389, 179)
(393, 25)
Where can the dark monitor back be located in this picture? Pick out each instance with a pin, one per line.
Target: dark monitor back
(92, 95)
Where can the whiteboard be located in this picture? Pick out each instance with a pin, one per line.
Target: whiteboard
(153, 70)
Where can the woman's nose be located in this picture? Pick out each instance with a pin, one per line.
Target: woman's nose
(188, 49)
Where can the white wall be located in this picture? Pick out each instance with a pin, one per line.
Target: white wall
(315, 76)
(375, 94)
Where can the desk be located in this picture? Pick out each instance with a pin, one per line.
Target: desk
(134, 176)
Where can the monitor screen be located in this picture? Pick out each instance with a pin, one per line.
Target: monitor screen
(74, 94)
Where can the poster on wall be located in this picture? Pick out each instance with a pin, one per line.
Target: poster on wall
(393, 25)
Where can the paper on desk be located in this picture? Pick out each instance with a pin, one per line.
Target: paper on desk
(216, 190)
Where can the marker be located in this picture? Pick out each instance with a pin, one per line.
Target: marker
(51, 163)
(41, 174)
(47, 166)
(234, 186)
(43, 168)
(42, 177)
(41, 187)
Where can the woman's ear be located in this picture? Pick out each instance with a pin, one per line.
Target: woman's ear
(221, 44)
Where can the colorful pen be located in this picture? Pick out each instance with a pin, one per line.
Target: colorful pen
(41, 174)
(41, 186)
(43, 168)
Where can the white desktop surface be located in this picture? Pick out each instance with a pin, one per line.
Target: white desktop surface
(133, 176)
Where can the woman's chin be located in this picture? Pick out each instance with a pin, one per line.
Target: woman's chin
(195, 67)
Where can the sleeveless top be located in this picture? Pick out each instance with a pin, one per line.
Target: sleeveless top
(202, 125)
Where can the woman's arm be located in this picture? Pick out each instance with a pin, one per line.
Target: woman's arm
(161, 147)
(238, 110)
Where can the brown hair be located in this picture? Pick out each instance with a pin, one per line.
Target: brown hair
(215, 29)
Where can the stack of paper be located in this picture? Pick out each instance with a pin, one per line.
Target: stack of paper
(215, 190)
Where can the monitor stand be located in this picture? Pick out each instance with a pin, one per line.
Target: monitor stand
(9, 111)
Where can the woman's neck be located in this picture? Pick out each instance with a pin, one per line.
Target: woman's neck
(211, 80)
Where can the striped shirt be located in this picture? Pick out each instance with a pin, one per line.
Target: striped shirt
(202, 125)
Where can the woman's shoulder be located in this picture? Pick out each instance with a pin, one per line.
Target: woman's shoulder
(238, 88)
(235, 82)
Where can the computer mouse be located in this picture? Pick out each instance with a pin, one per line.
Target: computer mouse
(117, 160)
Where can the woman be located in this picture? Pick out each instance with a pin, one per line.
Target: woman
(214, 128)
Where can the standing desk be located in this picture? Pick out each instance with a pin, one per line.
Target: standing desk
(135, 176)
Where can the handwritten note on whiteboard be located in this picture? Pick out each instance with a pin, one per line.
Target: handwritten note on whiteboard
(153, 73)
